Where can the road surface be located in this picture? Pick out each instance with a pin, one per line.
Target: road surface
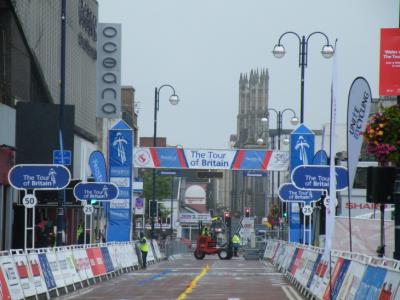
(188, 278)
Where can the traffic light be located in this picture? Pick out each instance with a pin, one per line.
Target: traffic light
(93, 201)
(227, 218)
(247, 212)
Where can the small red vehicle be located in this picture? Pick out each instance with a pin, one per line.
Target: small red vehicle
(207, 244)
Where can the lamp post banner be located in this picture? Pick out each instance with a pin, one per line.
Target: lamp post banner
(243, 159)
(120, 171)
(389, 71)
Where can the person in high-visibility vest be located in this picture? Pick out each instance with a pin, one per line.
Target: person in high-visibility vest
(144, 248)
(235, 244)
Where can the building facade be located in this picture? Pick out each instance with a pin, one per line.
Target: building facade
(253, 104)
(30, 72)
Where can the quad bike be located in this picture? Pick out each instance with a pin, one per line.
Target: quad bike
(207, 243)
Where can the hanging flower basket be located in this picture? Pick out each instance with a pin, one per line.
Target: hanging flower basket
(383, 136)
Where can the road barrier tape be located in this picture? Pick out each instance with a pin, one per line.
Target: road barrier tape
(193, 283)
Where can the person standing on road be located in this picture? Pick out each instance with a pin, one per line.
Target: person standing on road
(144, 248)
(235, 244)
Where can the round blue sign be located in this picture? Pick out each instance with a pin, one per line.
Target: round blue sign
(39, 177)
(100, 191)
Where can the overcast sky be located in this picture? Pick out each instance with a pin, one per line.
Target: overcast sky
(201, 47)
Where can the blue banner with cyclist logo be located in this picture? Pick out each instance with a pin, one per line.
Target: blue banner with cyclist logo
(302, 141)
(120, 165)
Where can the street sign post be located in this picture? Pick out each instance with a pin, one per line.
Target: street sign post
(302, 143)
(36, 177)
(290, 193)
(62, 157)
(100, 191)
(317, 178)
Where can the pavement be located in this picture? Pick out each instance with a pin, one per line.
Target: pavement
(188, 278)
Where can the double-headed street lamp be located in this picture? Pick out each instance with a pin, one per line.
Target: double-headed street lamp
(327, 52)
(174, 100)
(279, 124)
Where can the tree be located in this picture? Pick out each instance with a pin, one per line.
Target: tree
(163, 187)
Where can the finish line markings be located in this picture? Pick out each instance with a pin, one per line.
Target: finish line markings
(192, 284)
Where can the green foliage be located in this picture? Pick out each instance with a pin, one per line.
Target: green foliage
(163, 187)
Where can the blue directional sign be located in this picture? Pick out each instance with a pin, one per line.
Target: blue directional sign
(317, 177)
(39, 177)
(62, 157)
(289, 193)
(301, 146)
(302, 143)
(100, 191)
(320, 158)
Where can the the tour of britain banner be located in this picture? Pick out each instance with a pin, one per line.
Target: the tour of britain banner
(242, 159)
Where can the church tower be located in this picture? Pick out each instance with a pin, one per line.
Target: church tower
(253, 105)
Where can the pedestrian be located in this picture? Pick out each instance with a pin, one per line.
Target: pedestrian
(235, 244)
(144, 248)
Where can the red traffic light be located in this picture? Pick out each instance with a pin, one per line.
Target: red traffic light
(247, 212)
(227, 215)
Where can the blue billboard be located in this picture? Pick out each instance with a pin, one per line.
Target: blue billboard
(120, 166)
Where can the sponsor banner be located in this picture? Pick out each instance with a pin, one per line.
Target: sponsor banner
(194, 218)
(340, 278)
(67, 267)
(336, 271)
(120, 171)
(270, 249)
(107, 259)
(37, 274)
(98, 167)
(10, 273)
(4, 292)
(314, 270)
(352, 280)
(389, 71)
(358, 107)
(25, 278)
(371, 283)
(306, 266)
(296, 261)
(113, 251)
(55, 269)
(321, 277)
(108, 70)
(178, 158)
(96, 261)
(391, 286)
(82, 264)
(131, 254)
(46, 270)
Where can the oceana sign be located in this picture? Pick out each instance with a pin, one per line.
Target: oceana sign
(109, 70)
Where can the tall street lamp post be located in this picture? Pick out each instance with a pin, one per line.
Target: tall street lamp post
(279, 51)
(279, 125)
(174, 100)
